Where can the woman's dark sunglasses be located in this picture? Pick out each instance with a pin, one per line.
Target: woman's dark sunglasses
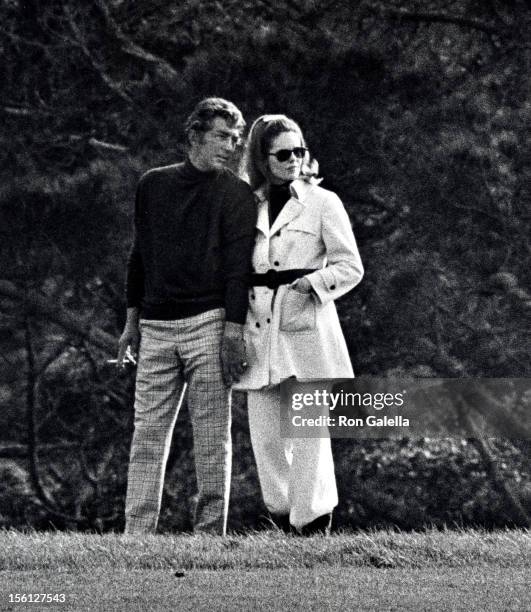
(284, 154)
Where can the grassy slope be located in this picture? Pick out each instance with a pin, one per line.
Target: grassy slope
(340, 588)
(433, 570)
(381, 549)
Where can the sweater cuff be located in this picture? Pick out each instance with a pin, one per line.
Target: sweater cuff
(236, 302)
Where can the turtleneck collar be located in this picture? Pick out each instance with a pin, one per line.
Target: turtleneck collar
(278, 196)
(192, 174)
(279, 188)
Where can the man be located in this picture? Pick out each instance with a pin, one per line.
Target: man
(187, 292)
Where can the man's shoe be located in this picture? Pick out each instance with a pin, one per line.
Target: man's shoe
(319, 526)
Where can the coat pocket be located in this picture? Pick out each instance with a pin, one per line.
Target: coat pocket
(297, 311)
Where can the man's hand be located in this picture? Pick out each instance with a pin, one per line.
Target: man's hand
(233, 355)
(129, 340)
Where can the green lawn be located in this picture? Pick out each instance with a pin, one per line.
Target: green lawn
(318, 588)
(466, 570)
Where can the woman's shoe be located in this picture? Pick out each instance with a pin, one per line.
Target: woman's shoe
(319, 526)
(281, 522)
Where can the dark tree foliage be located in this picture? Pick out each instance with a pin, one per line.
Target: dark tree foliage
(418, 113)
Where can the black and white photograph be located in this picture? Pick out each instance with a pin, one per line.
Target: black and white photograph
(265, 305)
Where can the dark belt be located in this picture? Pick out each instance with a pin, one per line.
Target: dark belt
(274, 278)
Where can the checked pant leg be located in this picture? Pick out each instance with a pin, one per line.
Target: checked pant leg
(158, 396)
(209, 404)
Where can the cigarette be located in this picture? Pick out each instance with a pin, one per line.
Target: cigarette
(126, 359)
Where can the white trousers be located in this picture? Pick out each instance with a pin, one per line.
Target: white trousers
(296, 475)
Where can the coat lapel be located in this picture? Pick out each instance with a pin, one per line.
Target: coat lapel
(293, 207)
(300, 188)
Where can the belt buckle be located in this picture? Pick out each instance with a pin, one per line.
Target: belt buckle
(271, 279)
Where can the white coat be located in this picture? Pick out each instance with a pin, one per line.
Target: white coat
(289, 333)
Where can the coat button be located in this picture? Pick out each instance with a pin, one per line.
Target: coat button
(269, 320)
(257, 324)
(253, 296)
(332, 287)
(276, 263)
(278, 233)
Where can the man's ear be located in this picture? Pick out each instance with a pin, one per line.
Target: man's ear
(195, 138)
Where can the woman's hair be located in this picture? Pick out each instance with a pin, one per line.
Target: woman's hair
(207, 110)
(255, 168)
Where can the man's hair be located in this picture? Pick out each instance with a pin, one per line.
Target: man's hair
(209, 109)
(255, 167)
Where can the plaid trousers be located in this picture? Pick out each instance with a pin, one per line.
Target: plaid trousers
(174, 357)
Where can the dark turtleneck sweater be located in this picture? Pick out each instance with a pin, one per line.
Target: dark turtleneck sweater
(278, 196)
(193, 241)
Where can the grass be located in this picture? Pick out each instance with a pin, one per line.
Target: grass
(267, 550)
(340, 588)
(379, 570)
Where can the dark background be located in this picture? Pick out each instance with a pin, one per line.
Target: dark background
(419, 115)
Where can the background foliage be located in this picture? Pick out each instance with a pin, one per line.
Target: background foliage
(419, 115)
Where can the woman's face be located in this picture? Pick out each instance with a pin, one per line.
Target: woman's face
(289, 170)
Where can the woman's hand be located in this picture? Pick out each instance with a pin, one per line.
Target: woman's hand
(302, 285)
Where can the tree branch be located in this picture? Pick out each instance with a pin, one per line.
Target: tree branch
(432, 17)
(18, 112)
(421, 17)
(14, 38)
(89, 476)
(20, 451)
(496, 478)
(36, 304)
(163, 68)
(113, 85)
(107, 146)
(32, 455)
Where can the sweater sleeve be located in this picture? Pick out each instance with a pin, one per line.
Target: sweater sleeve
(238, 230)
(134, 284)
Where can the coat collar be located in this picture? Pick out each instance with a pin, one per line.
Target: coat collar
(300, 189)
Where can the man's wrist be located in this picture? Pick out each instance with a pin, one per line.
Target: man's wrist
(233, 330)
(132, 317)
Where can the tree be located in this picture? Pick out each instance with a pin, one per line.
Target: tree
(417, 112)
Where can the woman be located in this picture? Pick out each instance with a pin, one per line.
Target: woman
(305, 257)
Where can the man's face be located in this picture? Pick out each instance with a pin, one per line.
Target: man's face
(213, 150)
